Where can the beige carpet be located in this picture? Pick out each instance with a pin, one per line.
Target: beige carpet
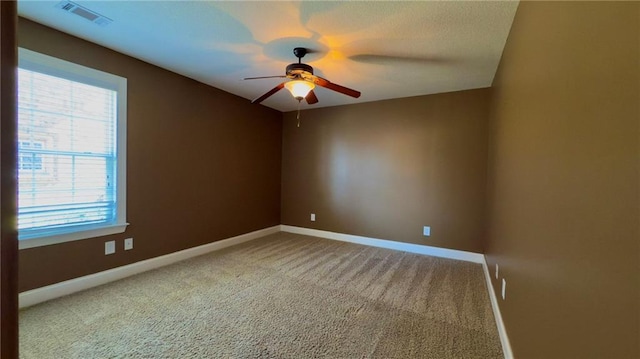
(281, 296)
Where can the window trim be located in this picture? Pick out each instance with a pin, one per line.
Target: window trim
(34, 61)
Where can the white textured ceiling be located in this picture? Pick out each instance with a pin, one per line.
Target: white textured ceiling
(383, 49)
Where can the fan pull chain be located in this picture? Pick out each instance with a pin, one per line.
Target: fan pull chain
(298, 116)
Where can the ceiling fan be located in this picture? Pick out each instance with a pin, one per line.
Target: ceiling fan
(302, 81)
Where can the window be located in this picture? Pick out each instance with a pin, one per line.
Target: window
(29, 158)
(71, 151)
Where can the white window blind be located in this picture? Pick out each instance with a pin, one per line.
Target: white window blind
(67, 154)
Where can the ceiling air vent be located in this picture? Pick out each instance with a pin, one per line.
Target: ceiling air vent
(83, 12)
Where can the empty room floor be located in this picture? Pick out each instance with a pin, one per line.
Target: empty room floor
(280, 296)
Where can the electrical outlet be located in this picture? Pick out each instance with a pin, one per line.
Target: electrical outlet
(313, 217)
(128, 244)
(426, 231)
(497, 270)
(109, 247)
(504, 288)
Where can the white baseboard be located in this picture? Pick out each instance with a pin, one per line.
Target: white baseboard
(39, 295)
(383, 243)
(502, 331)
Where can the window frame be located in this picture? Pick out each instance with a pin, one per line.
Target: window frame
(34, 61)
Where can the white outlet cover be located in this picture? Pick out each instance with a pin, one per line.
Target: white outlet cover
(497, 270)
(109, 247)
(504, 289)
(313, 217)
(426, 231)
(128, 244)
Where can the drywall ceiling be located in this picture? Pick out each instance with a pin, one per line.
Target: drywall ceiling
(383, 49)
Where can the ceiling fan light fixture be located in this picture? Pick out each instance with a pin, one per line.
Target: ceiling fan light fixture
(299, 88)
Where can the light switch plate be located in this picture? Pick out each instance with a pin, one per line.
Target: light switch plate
(128, 244)
(313, 217)
(426, 231)
(504, 289)
(109, 247)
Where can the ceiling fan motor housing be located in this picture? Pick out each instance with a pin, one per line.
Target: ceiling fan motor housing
(298, 69)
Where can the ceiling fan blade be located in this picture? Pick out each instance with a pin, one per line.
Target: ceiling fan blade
(377, 59)
(335, 87)
(271, 92)
(265, 77)
(311, 98)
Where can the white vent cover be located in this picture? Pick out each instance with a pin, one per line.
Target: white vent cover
(83, 12)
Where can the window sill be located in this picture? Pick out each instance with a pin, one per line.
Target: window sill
(78, 234)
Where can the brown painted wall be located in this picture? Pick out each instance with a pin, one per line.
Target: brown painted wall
(384, 169)
(563, 180)
(203, 165)
(8, 244)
